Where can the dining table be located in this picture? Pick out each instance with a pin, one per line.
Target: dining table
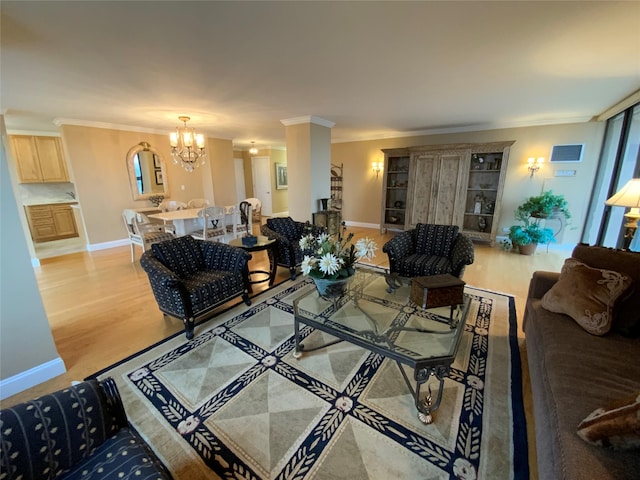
(186, 220)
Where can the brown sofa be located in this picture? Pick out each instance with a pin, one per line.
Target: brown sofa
(574, 372)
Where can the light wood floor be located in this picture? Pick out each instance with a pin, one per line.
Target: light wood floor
(101, 309)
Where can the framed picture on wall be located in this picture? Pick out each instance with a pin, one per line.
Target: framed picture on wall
(156, 161)
(282, 181)
(159, 179)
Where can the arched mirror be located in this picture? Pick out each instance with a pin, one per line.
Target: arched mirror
(147, 172)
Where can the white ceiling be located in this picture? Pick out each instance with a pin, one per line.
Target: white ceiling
(376, 69)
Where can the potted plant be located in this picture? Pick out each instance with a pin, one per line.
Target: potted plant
(529, 233)
(545, 205)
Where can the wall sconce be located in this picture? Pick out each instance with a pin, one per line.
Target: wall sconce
(377, 167)
(534, 165)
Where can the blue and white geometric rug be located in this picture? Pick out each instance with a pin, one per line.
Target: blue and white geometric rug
(234, 403)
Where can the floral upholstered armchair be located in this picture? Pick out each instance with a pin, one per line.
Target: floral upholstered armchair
(287, 233)
(429, 249)
(190, 278)
(78, 432)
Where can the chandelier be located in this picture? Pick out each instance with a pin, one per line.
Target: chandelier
(187, 146)
(253, 150)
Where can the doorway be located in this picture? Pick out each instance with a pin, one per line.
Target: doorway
(241, 192)
(261, 173)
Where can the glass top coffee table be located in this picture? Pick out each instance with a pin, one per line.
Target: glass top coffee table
(391, 325)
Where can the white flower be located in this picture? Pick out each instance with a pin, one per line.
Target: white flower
(365, 248)
(329, 264)
(463, 469)
(306, 242)
(323, 237)
(308, 264)
(188, 425)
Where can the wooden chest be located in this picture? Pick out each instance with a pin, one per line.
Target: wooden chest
(436, 290)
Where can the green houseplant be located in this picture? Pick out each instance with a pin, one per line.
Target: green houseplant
(545, 205)
(529, 233)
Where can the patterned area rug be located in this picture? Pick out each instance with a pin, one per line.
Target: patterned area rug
(234, 403)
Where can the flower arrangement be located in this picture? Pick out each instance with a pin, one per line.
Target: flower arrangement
(333, 256)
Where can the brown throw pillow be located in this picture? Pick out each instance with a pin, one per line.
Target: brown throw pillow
(588, 295)
(616, 426)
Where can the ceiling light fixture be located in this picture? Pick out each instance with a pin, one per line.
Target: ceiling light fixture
(253, 150)
(187, 146)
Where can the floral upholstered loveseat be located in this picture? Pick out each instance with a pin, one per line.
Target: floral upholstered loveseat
(190, 278)
(429, 249)
(80, 432)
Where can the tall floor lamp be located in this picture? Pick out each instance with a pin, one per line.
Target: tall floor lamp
(629, 196)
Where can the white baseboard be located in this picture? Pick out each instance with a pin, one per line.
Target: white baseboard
(92, 247)
(32, 377)
(362, 225)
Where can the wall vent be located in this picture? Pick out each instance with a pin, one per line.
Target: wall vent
(567, 153)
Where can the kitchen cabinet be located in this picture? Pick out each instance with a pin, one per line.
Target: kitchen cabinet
(453, 184)
(39, 159)
(51, 222)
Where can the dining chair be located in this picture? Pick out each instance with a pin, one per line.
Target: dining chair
(198, 203)
(171, 205)
(256, 206)
(213, 225)
(143, 232)
(236, 224)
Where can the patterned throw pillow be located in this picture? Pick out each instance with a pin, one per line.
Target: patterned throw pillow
(616, 426)
(588, 295)
(181, 255)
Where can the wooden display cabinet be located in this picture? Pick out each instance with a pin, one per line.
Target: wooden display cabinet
(395, 185)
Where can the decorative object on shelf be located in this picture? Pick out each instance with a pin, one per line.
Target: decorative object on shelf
(156, 200)
(399, 204)
(478, 162)
(629, 196)
(482, 224)
(333, 257)
(479, 201)
(377, 167)
(253, 150)
(489, 207)
(324, 203)
(533, 165)
(187, 146)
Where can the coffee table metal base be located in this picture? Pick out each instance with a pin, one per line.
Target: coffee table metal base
(426, 407)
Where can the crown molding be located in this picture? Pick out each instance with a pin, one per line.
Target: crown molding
(308, 119)
(110, 126)
(619, 107)
(464, 128)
